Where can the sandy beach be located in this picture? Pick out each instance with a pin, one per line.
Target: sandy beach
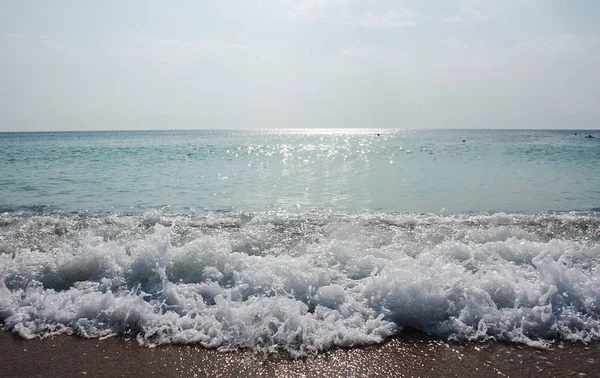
(406, 356)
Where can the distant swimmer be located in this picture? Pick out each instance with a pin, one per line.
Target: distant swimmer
(590, 136)
(464, 140)
(575, 133)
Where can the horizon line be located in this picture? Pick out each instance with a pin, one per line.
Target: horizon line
(296, 129)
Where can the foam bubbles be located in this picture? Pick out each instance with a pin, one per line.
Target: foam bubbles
(301, 282)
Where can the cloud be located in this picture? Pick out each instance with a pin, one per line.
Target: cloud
(469, 13)
(341, 12)
(479, 16)
(385, 20)
(309, 10)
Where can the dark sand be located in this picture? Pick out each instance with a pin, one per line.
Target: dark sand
(410, 355)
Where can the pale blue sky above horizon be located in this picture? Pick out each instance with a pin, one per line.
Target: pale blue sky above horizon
(105, 65)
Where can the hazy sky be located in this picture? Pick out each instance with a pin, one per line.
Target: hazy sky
(94, 65)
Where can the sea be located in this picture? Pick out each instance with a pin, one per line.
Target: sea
(301, 240)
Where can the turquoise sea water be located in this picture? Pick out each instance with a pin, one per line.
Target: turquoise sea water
(301, 239)
(347, 170)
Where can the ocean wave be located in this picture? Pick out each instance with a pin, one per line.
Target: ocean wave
(301, 282)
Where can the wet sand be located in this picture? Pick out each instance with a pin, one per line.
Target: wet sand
(410, 355)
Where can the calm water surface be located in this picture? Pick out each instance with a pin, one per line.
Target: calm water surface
(301, 170)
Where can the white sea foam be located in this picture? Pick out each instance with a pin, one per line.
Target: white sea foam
(301, 282)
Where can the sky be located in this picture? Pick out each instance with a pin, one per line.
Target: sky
(106, 65)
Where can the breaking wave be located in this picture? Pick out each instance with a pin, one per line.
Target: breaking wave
(300, 282)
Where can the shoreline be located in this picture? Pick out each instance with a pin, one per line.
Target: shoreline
(411, 354)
